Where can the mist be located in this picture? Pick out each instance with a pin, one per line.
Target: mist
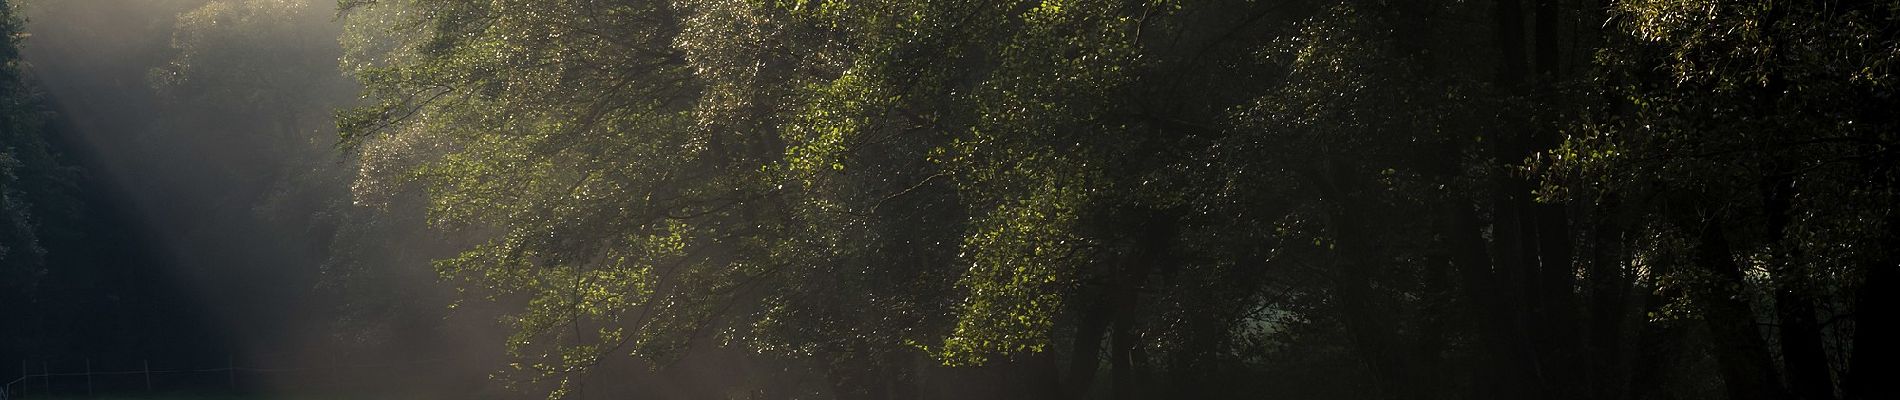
(694, 199)
(215, 143)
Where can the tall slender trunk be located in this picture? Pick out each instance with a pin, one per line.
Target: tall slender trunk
(1509, 34)
(1609, 296)
(1557, 322)
(1658, 346)
(1874, 354)
(1086, 356)
(1514, 225)
(1479, 289)
(1499, 349)
(1615, 336)
(1803, 355)
(1122, 343)
(1370, 328)
(1739, 348)
(1126, 356)
(1545, 15)
(1535, 252)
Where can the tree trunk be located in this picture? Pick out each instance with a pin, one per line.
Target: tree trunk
(1509, 16)
(1658, 348)
(1514, 225)
(1546, 54)
(1874, 332)
(1739, 348)
(1500, 348)
(1125, 353)
(1086, 357)
(1803, 355)
(1609, 290)
(1122, 344)
(1370, 328)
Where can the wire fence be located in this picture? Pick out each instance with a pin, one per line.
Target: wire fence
(48, 382)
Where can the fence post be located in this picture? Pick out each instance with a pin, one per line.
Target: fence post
(230, 371)
(148, 374)
(88, 377)
(46, 378)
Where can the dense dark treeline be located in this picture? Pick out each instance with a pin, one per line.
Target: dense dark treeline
(1417, 199)
(21, 126)
(76, 276)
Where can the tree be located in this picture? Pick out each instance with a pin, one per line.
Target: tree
(1186, 195)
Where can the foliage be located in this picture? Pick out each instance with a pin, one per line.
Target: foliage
(1190, 193)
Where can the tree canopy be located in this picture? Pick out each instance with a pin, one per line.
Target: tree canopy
(1498, 199)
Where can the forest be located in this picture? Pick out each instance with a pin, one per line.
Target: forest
(950, 199)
